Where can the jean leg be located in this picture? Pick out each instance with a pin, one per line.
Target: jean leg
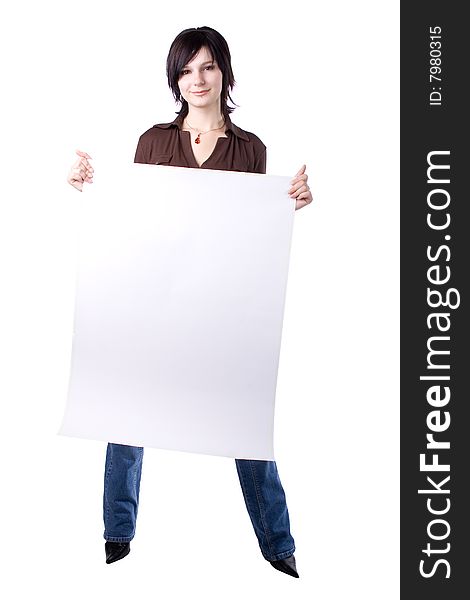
(122, 475)
(266, 503)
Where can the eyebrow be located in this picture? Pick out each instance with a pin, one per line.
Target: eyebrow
(208, 62)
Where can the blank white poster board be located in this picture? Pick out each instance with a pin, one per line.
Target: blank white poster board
(179, 307)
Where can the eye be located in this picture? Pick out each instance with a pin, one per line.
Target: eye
(184, 72)
(210, 67)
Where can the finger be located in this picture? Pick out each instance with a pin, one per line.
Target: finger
(82, 172)
(88, 169)
(299, 190)
(297, 185)
(79, 174)
(77, 178)
(301, 170)
(83, 154)
(303, 178)
(76, 172)
(82, 163)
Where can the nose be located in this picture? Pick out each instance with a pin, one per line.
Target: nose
(198, 78)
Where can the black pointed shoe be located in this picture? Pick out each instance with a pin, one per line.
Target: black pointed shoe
(286, 565)
(116, 550)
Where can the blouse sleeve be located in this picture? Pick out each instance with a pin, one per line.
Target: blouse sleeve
(260, 163)
(142, 151)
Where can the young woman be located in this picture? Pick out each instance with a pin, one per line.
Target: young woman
(200, 77)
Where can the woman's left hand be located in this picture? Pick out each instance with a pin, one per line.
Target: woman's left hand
(300, 190)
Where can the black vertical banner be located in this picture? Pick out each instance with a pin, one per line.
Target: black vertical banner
(435, 256)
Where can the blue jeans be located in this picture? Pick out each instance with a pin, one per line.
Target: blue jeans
(259, 480)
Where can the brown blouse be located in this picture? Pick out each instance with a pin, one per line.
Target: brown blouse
(167, 144)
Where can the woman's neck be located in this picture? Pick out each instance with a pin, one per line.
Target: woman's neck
(204, 119)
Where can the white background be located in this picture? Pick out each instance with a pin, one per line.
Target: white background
(317, 86)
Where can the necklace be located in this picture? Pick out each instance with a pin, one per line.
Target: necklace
(198, 137)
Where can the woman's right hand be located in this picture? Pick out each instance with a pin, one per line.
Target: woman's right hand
(81, 171)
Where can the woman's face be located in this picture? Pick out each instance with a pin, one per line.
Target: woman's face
(200, 81)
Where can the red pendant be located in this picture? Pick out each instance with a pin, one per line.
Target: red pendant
(198, 139)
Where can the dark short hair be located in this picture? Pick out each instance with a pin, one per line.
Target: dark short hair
(185, 47)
